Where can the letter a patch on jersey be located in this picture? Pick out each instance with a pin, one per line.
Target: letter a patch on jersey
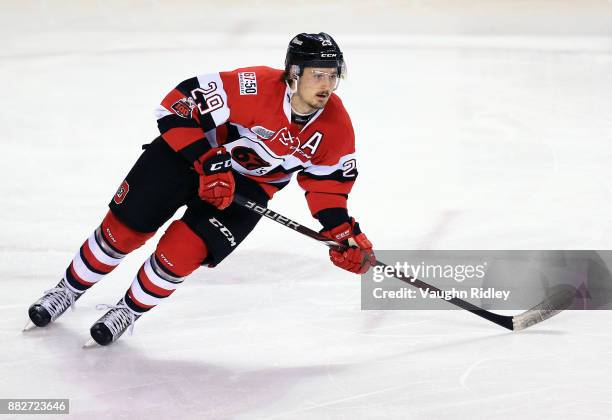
(122, 191)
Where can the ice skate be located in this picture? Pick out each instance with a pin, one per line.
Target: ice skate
(113, 324)
(51, 305)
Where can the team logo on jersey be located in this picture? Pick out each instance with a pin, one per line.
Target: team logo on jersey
(183, 107)
(122, 191)
(282, 143)
(248, 83)
(248, 158)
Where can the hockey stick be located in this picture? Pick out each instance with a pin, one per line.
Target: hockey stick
(549, 307)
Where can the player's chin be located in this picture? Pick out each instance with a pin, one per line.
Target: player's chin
(320, 101)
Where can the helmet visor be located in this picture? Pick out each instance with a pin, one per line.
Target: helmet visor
(338, 64)
(332, 76)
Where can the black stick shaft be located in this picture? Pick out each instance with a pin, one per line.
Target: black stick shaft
(285, 221)
(504, 321)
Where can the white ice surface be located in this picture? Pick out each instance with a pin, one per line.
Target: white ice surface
(464, 143)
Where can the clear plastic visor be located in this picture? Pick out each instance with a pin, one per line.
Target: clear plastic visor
(330, 75)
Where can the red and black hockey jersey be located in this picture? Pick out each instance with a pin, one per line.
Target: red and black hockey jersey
(248, 112)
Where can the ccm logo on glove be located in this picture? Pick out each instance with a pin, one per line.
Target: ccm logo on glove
(220, 166)
(217, 185)
(358, 257)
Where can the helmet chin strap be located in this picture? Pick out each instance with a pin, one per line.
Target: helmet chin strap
(295, 78)
(293, 91)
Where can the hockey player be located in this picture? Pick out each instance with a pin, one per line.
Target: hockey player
(244, 131)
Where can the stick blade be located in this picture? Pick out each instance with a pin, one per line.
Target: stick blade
(90, 344)
(29, 326)
(549, 307)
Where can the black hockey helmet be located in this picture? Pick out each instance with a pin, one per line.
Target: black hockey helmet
(313, 50)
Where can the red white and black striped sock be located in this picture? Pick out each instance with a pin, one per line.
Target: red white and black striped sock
(102, 252)
(152, 284)
(94, 260)
(179, 252)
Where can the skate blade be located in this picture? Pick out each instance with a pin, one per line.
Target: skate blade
(90, 344)
(29, 326)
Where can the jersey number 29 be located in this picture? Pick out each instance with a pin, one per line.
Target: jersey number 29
(205, 100)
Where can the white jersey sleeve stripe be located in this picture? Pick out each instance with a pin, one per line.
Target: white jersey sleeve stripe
(161, 112)
(211, 87)
(329, 169)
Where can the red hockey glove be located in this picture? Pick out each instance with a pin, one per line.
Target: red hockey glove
(217, 183)
(359, 256)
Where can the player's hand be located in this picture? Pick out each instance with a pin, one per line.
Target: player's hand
(359, 256)
(217, 183)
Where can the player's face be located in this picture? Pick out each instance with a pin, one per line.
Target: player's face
(314, 88)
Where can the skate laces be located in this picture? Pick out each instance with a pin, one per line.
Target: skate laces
(118, 318)
(58, 298)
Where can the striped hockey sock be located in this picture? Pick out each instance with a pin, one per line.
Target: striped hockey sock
(94, 260)
(151, 285)
(102, 252)
(179, 252)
